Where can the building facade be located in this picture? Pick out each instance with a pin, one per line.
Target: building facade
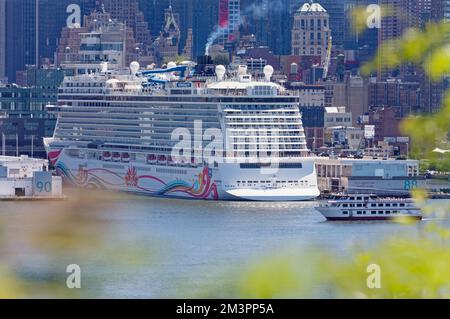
(24, 120)
(311, 31)
(2, 41)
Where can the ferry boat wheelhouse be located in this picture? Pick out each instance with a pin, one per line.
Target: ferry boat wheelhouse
(369, 207)
(122, 130)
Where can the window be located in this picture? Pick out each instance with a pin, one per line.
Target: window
(358, 198)
(344, 213)
(359, 205)
(380, 212)
(402, 205)
(345, 205)
(374, 212)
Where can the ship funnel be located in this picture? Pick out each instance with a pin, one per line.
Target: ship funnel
(220, 72)
(268, 72)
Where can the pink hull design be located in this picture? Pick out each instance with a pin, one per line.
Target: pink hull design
(202, 188)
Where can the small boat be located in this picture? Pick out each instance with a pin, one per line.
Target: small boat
(126, 157)
(151, 159)
(162, 159)
(369, 207)
(116, 157)
(106, 156)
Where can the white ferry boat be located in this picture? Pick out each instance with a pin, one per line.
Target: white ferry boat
(122, 130)
(369, 207)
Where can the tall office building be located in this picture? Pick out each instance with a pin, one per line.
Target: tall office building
(154, 13)
(2, 40)
(128, 11)
(364, 43)
(229, 20)
(20, 36)
(32, 32)
(311, 31)
(280, 25)
(53, 17)
(255, 18)
(402, 14)
(205, 15)
(336, 10)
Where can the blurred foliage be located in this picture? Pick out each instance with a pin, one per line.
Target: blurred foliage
(58, 234)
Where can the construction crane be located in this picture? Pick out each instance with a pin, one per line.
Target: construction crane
(327, 61)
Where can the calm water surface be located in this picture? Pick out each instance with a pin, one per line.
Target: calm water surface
(192, 243)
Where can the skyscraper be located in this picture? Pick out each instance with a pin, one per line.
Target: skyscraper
(311, 31)
(154, 12)
(336, 10)
(53, 17)
(204, 19)
(128, 11)
(280, 24)
(229, 19)
(2, 39)
(20, 36)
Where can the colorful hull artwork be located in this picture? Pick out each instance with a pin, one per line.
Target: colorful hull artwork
(202, 186)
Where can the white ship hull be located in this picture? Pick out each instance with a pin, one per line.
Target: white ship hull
(190, 182)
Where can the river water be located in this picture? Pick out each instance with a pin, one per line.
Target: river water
(183, 244)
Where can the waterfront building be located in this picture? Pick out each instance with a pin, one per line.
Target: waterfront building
(382, 177)
(27, 177)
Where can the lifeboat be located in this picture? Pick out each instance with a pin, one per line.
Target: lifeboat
(151, 159)
(162, 159)
(106, 156)
(116, 157)
(126, 157)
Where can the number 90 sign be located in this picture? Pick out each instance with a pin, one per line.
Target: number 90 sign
(42, 183)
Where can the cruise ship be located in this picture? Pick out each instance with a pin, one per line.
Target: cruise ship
(171, 133)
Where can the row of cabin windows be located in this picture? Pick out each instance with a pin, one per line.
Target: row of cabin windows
(375, 205)
(374, 212)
